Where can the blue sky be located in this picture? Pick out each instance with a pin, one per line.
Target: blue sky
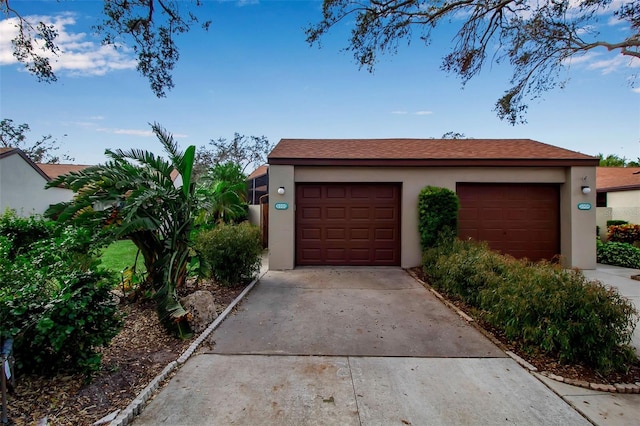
(253, 73)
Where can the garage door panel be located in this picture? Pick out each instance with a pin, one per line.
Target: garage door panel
(336, 213)
(310, 213)
(385, 213)
(359, 224)
(359, 192)
(385, 193)
(362, 213)
(385, 234)
(335, 234)
(335, 253)
(385, 255)
(311, 233)
(519, 219)
(312, 192)
(336, 192)
(361, 234)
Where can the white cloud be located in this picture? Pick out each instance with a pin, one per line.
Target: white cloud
(133, 132)
(616, 63)
(636, 90)
(399, 112)
(423, 112)
(136, 132)
(79, 55)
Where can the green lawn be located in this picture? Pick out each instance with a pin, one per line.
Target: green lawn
(120, 255)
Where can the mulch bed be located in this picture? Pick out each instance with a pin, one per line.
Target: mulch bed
(133, 359)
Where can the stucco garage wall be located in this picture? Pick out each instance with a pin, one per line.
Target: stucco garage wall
(22, 188)
(413, 179)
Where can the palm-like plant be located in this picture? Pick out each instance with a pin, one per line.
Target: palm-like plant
(222, 194)
(133, 196)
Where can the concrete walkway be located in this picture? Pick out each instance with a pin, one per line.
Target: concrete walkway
(359, 346)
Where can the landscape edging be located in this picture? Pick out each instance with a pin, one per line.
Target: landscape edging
(136, 406)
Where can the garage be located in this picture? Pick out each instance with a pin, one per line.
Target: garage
(348, 224)
(355, 201)
(522, 220)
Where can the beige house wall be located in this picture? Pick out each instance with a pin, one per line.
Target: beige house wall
(624, 199)
(621, 205)
(22, 188)
(413, 179)
(254, 214)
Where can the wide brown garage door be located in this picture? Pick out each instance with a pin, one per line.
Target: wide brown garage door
(348, 224)
(522, 220)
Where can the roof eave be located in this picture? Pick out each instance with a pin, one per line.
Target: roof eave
(619, 188)
(437, 162)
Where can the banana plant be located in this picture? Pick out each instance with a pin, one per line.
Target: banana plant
(134, 195)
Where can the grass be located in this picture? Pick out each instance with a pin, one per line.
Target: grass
(120, 255)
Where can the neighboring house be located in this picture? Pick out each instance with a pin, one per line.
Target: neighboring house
(257, 184)
(22, 183)
(257, 191)
(618, 195)
(354, 201)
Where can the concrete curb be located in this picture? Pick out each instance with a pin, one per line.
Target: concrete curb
(137, 405)
(614, 388)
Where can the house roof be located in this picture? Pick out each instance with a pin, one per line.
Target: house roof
(260, 171)
(425, 152)
(7, 152)
(611, 179)
(55, 170)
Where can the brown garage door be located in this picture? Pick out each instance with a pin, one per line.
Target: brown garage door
(348, 224)
(519, 219)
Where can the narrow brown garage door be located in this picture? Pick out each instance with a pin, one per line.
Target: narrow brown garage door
(518, 219)
(348, 224)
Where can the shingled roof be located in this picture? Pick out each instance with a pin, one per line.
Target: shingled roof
(425, 152)
(55, 170)
(610, 179)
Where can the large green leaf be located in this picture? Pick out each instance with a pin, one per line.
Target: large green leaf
(188, 158)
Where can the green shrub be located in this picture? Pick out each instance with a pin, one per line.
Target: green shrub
(57, 314)
(437, 215)
(23, 232)
(230, 253)
(60, 329)
(541, 306)
(616, 222)
(462, 269)
(628, 233)
(618, 254)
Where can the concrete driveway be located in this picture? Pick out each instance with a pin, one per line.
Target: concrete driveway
(365, 346)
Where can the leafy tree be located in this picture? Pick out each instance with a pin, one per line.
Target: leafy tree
(40, 151)
(613, 160)
(147, 26)
(242, 150)
(139, 201)
(537, 38)
(453, 135)
(222, 194)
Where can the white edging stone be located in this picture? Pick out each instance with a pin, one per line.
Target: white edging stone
(137, 405)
